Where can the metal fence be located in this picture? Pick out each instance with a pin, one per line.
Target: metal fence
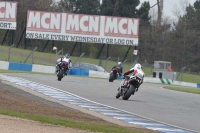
(33, 57)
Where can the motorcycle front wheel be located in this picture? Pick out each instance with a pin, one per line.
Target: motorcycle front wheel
(60, 75)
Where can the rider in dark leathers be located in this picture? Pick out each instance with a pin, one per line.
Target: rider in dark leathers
(119, 68)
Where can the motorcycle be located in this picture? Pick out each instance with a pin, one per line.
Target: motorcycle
(129, 86)
(62, 70)
(113, 75)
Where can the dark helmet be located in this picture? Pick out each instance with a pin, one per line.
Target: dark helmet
(67, 55)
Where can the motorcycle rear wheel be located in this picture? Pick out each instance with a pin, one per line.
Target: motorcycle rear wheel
(128, 93)
(111, 77)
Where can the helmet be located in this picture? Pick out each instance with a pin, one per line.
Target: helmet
(119, 63)
(67, 55)
(138, 66)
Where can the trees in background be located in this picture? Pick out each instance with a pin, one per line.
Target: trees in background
(178, 42)
(186, 38)
(91, 7)
(121, 8)
(23, 7)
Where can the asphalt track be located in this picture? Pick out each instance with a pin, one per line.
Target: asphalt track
(151, 101)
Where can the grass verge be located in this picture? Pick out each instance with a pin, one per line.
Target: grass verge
(72, 124)
(19, 55)
(183, 89)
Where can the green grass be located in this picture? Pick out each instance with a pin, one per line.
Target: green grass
(72, 124)
(20, 55)
(190, 78)
(49, 59)
(183, 89)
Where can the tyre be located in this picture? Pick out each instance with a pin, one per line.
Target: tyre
(128, 93)
(60, 74)
(111, 77)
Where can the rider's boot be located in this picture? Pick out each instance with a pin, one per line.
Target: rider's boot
(136, 89)
(66, 72)
(57, 70)
(118, 95)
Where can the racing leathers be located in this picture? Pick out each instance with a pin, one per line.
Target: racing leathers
(134, 71)
(119, 69)
(58, 62)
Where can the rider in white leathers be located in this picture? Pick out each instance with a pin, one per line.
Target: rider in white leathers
(136, 69)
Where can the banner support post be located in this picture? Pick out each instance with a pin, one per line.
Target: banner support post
(45, 45)
(21, 37)
(73, 48)
(100, 51)
(4, 37)
(126, 54)
(80, 48)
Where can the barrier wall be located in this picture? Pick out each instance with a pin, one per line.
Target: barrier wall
(4, 65)
(186, 84)
(158, 80)
(79, 72)
(20, 66)
(37, 68)
(42, 68)
(26, 67)
(83, 72)
(168, 81)
(98, 74)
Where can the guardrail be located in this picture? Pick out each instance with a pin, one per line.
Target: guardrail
(26, 67)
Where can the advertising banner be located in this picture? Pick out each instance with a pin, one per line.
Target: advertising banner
(82, 28)
(8, 15)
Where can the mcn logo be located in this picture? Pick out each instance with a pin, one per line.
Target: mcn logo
(82, 24)
(8, 11)
(82, 28)
(121, 27)
(44, 21)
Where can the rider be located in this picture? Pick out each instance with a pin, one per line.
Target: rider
(119, 68)
(136, 69)
(65, 58)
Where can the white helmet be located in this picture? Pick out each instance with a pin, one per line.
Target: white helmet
(119, 63)
(137, 66)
